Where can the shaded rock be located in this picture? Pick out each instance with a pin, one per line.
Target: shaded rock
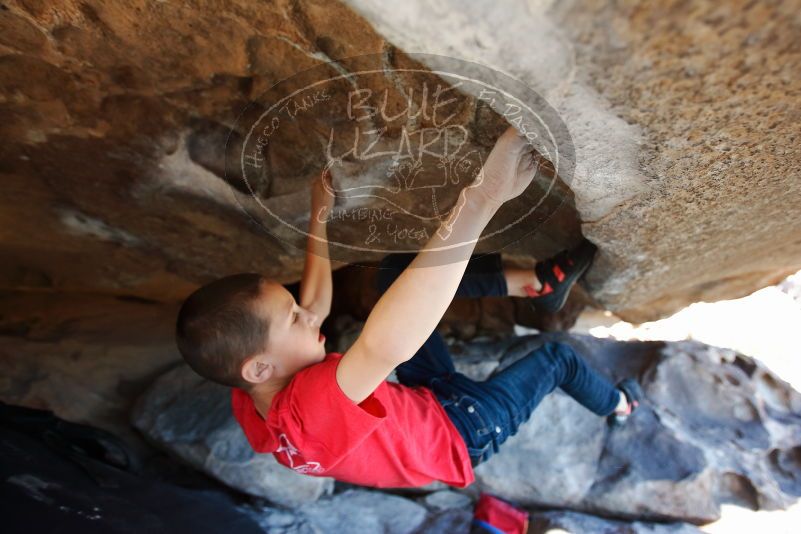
(370, 511)
(716, 427)
(447, 522)
(577, 523)
(364, 511)
(192, 419)
(446, 500)
(352, 511)
(84, 357)
(150, 95)
(449, 511)
(279, 521)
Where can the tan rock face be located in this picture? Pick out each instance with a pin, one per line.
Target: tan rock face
(119, 122)
(714, 89)
(122, 124)
(684, 117)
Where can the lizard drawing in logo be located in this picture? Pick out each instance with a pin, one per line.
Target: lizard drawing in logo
(422, 184)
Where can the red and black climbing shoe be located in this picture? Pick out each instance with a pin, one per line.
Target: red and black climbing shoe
(633, 392)
(557, 275)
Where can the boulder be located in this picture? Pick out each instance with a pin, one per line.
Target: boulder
(576, 523)
(716, 427)
(192, 419)
(363, 511)
(121, 123)
(161, 99)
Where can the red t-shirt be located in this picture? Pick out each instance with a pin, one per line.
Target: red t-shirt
(397, 437)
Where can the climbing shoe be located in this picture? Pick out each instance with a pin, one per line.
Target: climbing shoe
(633, 392)
(557, 275)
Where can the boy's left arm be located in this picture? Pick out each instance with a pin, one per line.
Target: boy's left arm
(316, 285)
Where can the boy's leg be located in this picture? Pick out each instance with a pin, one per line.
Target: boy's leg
(483, 276)
(547, 285)
(520, 387)
(489, 412)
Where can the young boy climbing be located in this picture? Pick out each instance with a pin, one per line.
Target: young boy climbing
(335, 415)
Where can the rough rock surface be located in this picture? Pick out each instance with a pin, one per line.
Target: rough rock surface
(114, 117)
(84, 357)
(576, 523)
(364, 511)
(115, 122)
(717, 427)
(684, 126)
(192, 418)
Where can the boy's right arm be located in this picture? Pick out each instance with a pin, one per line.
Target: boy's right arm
(410, 309)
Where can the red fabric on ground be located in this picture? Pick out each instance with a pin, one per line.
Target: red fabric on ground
(501, 514)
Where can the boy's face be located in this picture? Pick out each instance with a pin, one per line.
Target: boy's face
(295, 341)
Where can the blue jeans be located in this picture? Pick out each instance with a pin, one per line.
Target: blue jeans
(487, 413)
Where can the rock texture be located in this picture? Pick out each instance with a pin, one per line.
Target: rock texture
(683, 122)
(84, 357)
(114, 119)
(575, 523)
(363, 511)
(360, 511)
(716, 427)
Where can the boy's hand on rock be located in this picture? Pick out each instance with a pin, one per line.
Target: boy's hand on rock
(323, 196)
(509, 168)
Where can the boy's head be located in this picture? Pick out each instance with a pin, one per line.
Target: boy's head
(243, 330)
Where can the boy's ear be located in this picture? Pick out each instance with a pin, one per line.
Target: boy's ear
(257, 369)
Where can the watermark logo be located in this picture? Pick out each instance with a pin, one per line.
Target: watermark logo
(398, 138)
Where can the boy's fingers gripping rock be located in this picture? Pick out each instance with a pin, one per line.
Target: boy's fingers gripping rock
(506, 171)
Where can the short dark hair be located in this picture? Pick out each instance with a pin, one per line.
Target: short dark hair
(218, 328)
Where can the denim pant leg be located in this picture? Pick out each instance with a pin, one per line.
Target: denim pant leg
(507, 399)
(483, 276)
